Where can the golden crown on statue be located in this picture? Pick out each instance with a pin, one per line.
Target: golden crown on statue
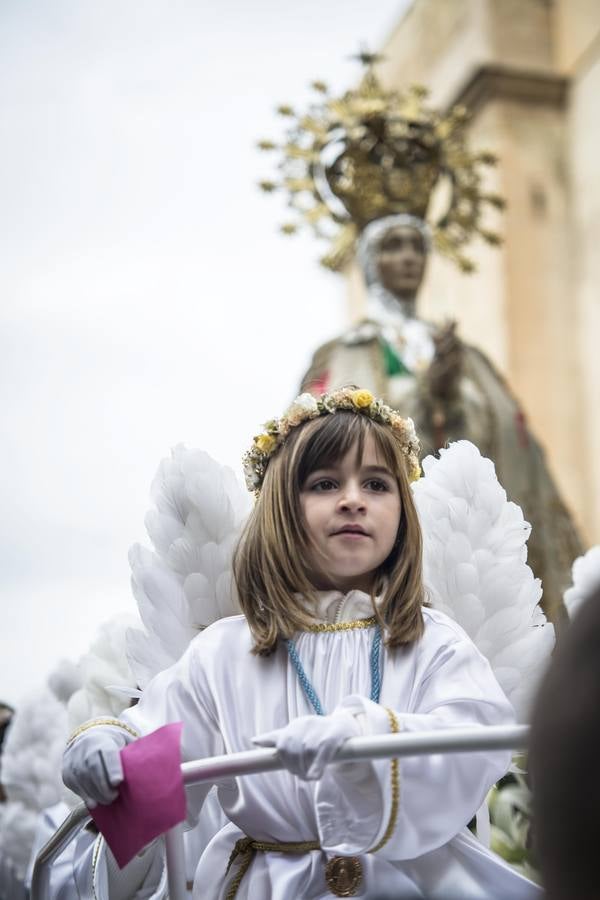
(370, 153)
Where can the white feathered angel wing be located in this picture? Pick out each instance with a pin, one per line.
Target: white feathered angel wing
(108, 684)
(186, 582)
(475, 567)
(586, 580)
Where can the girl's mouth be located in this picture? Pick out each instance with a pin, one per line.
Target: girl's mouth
(355, 531)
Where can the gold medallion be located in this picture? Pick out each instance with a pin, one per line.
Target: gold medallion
(343, 875)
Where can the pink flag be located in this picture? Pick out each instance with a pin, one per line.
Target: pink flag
(151, 797)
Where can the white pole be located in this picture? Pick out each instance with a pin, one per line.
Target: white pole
(381, 746)
(175, 853)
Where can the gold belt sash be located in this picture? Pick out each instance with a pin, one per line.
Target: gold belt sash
(342, 873)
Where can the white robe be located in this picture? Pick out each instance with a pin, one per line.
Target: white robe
(225, 695)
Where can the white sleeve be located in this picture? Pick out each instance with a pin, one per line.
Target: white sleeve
(406, 807)
(181, 694)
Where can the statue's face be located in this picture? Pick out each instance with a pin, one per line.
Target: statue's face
(401, 260)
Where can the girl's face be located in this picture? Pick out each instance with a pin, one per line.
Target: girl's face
(351, 511)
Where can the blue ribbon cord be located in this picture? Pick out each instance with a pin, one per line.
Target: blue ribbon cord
(309, 690)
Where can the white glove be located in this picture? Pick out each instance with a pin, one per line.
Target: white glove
(92, 765)
(309, 743)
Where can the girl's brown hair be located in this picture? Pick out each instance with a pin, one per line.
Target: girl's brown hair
(269, 561)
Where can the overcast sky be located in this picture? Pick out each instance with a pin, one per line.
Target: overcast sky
(146, 297)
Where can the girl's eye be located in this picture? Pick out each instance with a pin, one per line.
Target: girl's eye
(375, 484)
(323, 484)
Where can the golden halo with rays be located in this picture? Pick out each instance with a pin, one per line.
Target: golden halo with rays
(370, 153)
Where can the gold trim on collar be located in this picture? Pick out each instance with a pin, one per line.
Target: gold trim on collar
(342, 626)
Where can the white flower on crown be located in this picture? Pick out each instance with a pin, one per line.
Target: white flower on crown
(411, 433)
(251, 476)
(304, 407)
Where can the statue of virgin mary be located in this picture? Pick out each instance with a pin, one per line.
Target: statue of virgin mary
(361, 169)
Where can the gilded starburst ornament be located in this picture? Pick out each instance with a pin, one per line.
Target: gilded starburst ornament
(369, 153)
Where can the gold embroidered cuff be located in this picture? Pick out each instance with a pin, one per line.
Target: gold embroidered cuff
(395, 775)
(94, 723)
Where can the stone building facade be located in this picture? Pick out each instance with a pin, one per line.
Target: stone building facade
(529, 72)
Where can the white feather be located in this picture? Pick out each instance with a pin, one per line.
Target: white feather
(586, 580)
(64, 680)
(475, 567)
(186, 583)
(102, 667)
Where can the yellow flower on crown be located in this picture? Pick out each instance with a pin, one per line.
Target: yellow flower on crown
(362, 398)
(265, 443)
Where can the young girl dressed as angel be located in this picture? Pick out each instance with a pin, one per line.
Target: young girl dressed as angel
(336, 640)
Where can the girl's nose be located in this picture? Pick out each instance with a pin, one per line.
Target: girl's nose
(351, 498)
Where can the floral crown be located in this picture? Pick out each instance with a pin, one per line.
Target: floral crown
(306, 407)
